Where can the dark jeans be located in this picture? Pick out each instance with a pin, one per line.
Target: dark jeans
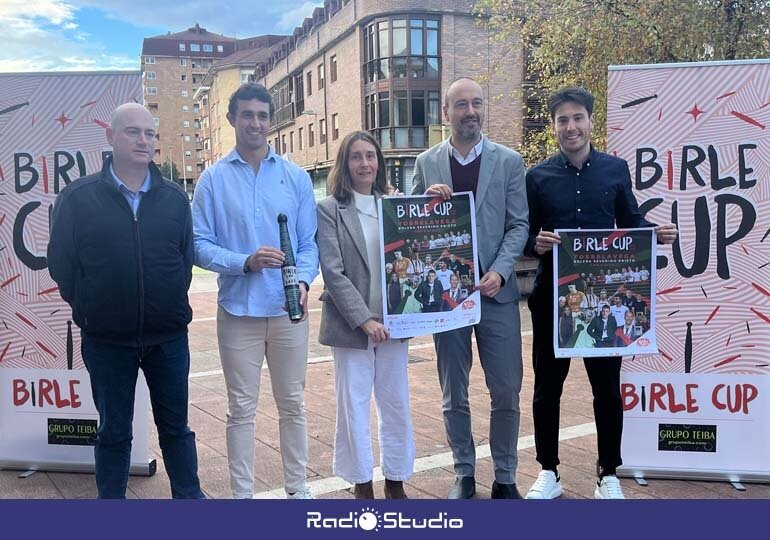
(550, 373)
(113, 370)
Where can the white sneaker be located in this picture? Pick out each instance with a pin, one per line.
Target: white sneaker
(609, 488)
(301, 494)
(547, 486)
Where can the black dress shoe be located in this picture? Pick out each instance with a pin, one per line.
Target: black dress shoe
(505, 491)
(463, 488)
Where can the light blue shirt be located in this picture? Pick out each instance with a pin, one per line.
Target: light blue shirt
(235, 212)
(132, 198)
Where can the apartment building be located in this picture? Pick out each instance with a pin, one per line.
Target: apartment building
(173, 66)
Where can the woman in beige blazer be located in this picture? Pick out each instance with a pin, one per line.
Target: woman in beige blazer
(365, 358)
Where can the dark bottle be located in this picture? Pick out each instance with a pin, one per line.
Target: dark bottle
(289, 272)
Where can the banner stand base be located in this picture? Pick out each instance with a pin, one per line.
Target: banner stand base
(148, 469)
(736, 479)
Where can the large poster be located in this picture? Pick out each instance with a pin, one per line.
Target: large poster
(603, 305)
(430, 258)
(52, 131)
(697, 142)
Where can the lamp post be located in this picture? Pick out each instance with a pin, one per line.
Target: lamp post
(184, 167)
(170, 164)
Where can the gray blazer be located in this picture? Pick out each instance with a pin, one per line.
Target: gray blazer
(502, 225)
(345, 269)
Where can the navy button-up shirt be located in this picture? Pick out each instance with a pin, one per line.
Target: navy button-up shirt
(598, 196)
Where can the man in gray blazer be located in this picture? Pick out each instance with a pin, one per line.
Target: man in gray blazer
(470, 162)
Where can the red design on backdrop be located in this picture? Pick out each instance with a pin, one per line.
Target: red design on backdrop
(2, 355)
(711, 316)
(666, 356)
(46, 349)
(695, 112)
(9, 280)
(761, 289)
(48, 291)
(728, 340)
(725, 95)
(670, 171)
(394, 246)
(667, 291)
(63, 120)
(25, 320)
(660, 115)
(98, 122)
(87, 104)
(2, 219)
(2, 176)
(760, 315)
(727, 360)
(747, 119)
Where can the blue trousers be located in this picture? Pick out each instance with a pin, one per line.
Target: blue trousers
(113, 371)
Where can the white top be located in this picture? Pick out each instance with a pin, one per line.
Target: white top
(367, 216)
(473, 154)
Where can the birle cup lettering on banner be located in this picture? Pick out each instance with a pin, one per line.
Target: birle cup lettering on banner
(603, 293)
(697, 155)
(430, 258)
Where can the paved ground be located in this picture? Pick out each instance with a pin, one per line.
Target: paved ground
(433, 474)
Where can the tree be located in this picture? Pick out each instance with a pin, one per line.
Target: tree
(167, 168)
(574, 41)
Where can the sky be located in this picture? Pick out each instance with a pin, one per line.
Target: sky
(86, 35)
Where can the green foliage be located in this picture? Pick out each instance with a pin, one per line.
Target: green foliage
(574, 41)
(167, 167)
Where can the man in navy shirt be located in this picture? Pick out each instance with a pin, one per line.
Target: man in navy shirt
(578, 187)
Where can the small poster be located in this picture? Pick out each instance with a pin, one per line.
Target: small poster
(428, 249)
(604, 301)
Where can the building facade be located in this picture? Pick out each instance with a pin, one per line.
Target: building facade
(173, 67)
(382, 66)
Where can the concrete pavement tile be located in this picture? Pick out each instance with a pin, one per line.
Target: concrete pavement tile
(75, 486)
(37, 486)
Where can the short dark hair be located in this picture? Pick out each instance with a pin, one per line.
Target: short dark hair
(340, 182)
(246, 92)
(571, 94)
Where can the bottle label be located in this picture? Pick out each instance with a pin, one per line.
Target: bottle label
(289, 274)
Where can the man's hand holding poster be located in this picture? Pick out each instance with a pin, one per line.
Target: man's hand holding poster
(428, 251)
(604, 301)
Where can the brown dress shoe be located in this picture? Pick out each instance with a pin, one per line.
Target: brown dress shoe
(394, 489)
(364, 491)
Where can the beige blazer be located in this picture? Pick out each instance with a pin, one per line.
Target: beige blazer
(345, 270)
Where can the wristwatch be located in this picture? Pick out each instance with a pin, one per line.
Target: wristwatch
(246, 268)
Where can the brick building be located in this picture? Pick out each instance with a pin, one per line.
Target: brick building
(173, 66)
(379, 65)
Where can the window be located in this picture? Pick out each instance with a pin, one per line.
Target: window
(310, 136)
(299, 138)
(333, 61)
(149, 59)
(283, 142)
(282, 105)
(246, 75)
(335, 127)
(322, 134)
(299, 96)
(152, 91)
(183, 62)
(188, 168)
(220, 48)
(186, 123)
(181, 47)
(185, 108)
(186, 138)
(188, 153)
(207, 47)
(402, 49)
(184, 77)
(185, 93)
(151, 75)
(320, 76)
(309, 83)
(291, 141)
(156, 120)
(195, 47)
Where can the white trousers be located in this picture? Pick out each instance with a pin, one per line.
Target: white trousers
(244, 342)
(382, 368)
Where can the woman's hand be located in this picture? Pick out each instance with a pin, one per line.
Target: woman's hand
(376, 331)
